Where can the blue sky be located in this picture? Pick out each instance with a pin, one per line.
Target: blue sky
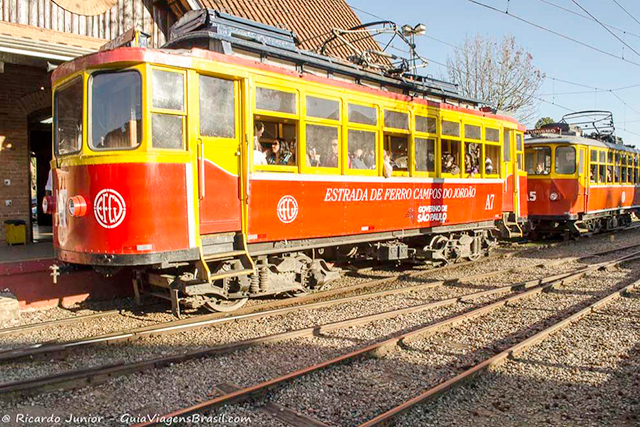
(558, 58)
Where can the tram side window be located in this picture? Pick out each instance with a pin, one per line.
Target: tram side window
(623, 168)
(362, 149)
(323, 147)
(472, 150)
(450, 156)
(217, 107)
(519, 149)
(397, 147)
(593, 168)
(492, 159)
(116, 110)
(425, 155)
(635, 169)
(68, 104)
(609, 172)
(565, 160)
(538, 160)
(472, 156)
(616, 168)
(167, 116)
(507, 145)
(630, 169)
(279, 140)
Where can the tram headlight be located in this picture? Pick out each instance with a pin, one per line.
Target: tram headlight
(554, 197)
(48, 205)
(77, 206)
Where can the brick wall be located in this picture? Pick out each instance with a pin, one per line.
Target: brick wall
(16, 82)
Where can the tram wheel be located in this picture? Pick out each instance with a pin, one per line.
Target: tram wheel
(215, 305)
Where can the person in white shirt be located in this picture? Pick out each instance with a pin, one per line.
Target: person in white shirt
(259, 158)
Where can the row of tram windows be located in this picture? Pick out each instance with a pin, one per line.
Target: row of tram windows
(605, 166)
(538, 160)
(449, 148)
(613, 167)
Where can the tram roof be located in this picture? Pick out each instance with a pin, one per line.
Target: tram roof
(220, 32)
(577, 140)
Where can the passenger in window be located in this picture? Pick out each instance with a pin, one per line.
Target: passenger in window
(369, 159)
(387, 167)
(540, 169)
(278, 154)
(488, 166)
(313, 157)
(259, 158)
(449, 165)
(356, 160)
(471, 168)
(332, 158)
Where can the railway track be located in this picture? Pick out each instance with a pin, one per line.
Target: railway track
(102, 373)
(273, 308)
(351, 271)
(381, 347)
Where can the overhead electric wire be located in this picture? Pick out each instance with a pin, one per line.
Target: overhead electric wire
(587, 18)
(564, 36)
(553, 78)
(626, 11)
(605, 27)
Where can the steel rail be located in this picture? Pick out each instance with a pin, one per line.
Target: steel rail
(258, 311)
(30, 327)
(382, 347)
(99, 374)
(498, 359)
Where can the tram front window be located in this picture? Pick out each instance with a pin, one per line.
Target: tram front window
(68, 118)
(116, 110)
(565, 160)
(538, 160)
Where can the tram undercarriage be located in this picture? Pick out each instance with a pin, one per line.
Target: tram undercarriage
(585, 225)
(226, 284)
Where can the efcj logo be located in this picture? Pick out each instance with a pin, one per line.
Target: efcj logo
(287, 209)
(109, 208)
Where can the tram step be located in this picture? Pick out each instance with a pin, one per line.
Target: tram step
(231, 254)
(236, 273)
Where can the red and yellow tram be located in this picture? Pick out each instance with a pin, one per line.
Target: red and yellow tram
(580, 183)
(225, 168)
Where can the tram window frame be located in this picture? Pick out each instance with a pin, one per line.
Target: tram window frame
(466, 146)
(140, 134)
(358, 126)
(168, 112)
(390, 134)
(609, 168)
(282, 120)
(556, 157)
(79, 79)
(425, 130)
(506, 144)
(520, 151)
(233, 123)
(535, 161)
(326, 122)
(593, 163)
(635, 168)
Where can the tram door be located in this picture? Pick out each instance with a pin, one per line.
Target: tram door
(218, 136)
(583, 179)
(520, 177)
(511, 171)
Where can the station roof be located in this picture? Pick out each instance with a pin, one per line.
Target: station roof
(311, 21)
